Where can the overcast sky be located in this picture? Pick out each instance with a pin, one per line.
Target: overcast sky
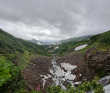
(53, 20)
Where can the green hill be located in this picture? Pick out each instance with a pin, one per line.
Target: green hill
(69, 47)
(9, 44)
(76, 39)
(103, 39)
(18, 50)
(97, 54)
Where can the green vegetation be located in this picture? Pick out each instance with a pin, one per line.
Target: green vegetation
(69, 47)
(10, 44)
(15, 51)
(52, 47)
(19, 51)
(76, 39)
(84, 87)
(99, 44)
(11, 80)
(103, 39)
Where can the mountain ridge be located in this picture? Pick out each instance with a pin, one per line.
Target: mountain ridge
(76, 39)
(36, 42)
(19, 51)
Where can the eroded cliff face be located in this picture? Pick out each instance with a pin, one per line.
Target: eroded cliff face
(98, 60)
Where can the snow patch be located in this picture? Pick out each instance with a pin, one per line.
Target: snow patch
(70, 77)
(59, 72)
(68, 66)
(57, 47)
(80, 47)
(58, 75)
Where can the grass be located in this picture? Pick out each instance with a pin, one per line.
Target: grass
(68, 48)
(25, 59)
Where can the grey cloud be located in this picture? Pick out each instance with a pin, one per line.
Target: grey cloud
(61, 18)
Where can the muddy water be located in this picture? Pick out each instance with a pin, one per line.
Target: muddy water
(60, 74)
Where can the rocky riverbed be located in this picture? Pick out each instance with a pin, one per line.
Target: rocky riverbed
(59, 76)
(72, 68)
(68, 69)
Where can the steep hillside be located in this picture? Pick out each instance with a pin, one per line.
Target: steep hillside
(76, 39)
(69, 47)
(98, 53)
(103, 39)
(9, 43)
(16, 49)
(15, 56)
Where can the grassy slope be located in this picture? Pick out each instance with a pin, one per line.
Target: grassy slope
(68, 48)
(76, 39)
(102, 41)
(18, 50)
(68, 45)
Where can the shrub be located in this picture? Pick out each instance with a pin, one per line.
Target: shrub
(11, 80)
(83, 88)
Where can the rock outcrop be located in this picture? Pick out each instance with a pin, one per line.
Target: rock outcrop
(99, 60)
(104, 81)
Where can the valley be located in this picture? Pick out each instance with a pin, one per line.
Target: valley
(70, 63)
(54, 46)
